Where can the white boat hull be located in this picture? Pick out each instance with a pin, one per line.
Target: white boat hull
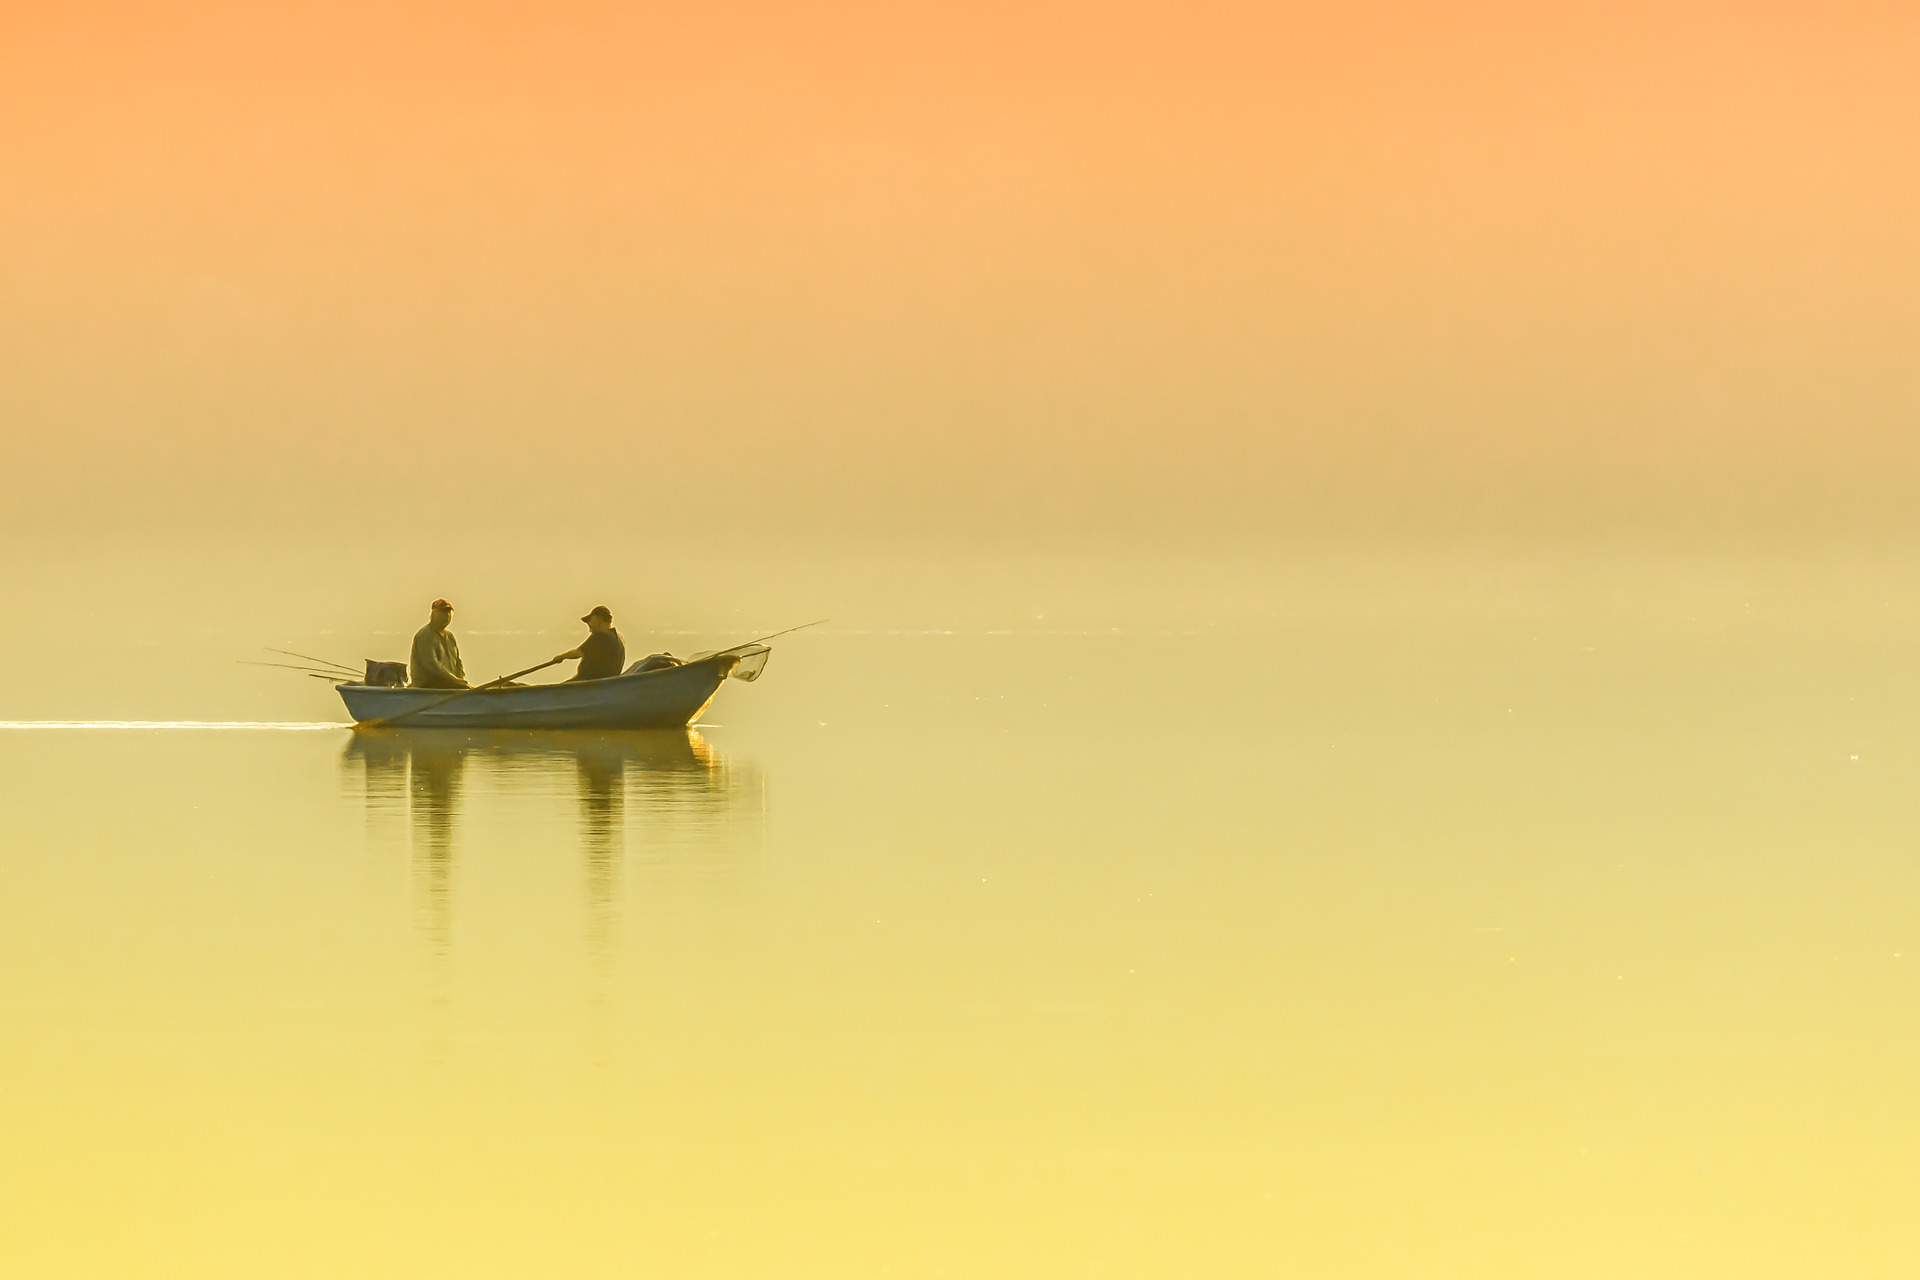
(667, 699)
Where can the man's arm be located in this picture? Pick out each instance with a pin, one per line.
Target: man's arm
(420, 660)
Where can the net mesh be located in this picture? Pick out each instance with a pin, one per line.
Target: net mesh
(753, 660)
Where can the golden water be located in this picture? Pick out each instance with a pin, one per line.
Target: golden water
(1436, 917)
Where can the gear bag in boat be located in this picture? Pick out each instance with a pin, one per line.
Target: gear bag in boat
(386, 675)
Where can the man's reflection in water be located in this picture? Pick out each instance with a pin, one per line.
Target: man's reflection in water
(426, 769)
(675, 783)
(602, 782)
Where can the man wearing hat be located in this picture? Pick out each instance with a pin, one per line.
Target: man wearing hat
(435, 662)
(602, 653)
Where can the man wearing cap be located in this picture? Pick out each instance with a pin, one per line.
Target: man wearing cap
(435, 663)
(603, 653)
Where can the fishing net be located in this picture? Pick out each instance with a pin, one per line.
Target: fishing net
(753, 660)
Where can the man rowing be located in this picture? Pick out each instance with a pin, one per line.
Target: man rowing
(603, 653)
(435, 662)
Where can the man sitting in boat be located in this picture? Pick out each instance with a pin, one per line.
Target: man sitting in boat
(603, 653)
(435, 663)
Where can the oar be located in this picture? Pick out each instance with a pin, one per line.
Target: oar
(441, 702)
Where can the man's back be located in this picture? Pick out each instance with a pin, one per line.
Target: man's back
(602, 654)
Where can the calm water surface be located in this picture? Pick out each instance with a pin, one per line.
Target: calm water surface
(1397, 935)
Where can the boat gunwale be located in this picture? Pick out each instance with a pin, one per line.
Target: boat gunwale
(624, 701)
(495, 689)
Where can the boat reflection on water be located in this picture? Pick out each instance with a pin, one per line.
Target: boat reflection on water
(665, 798)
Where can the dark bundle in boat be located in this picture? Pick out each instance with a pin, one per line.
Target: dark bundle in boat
(386, 675)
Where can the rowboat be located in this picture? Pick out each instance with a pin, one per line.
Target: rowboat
(668, 698)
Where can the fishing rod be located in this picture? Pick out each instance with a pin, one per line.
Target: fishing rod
(789, 631)
(307, 657)
(288, 666)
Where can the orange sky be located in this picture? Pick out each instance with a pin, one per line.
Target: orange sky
(1144, 268)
